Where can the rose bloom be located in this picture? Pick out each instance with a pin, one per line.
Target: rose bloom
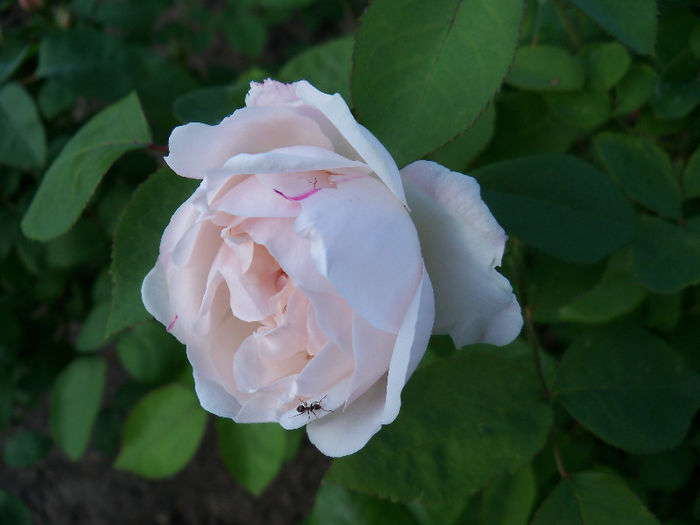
(306, 273)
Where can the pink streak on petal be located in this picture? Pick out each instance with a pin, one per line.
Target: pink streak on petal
(170, 326)
(299, 197)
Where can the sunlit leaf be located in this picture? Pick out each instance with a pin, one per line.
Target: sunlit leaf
(80, 166)
(424, 71)
(75, 400)
(162, 432)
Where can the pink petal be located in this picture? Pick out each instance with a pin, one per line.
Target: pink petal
(346, 431)
(363, 240)
(411, 343)
(196, 147)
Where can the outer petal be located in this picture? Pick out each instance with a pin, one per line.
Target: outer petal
(363, 241)
(196, 147)
(333, 108)
(155, 296)
(462, 244)
(411, 342)
(346, 432)
(288, 160)
(370, 149)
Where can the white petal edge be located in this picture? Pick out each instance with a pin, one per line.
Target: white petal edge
(411, 343)
(196, 147)
(347, 431)
(362, 239)
(367, 146)
(462, 244)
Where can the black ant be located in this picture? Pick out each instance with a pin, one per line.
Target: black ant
(310, 407)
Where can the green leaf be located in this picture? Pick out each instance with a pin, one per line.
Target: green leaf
(552, 284)
(694, 40)
(246, 32)
(691, 176)
(677, 92)
(78, 169)
(415, 61)
(26, 448)
(635, 89)
(55, 98)
(509, 499)
(593, 498)
(606, 64)
(632, 22)
(92, 334)
(75, 400)
(13, 511)
(83, 244)
(667, 471)
(150, 354)
(666, 256)
(616, 294)
(526, 127)
(88, 62)
(22, 137)
(137, 239)
(545, 68)
(211, 104)
(662, 311)
(339, 506)
(460, 512)
(327, 66)
(584, 110)
(642, 169)
(463, 422)
(627, 387)
(459, 152)
(253, 453)
(162, 432)
(559, 204)
(11, 57)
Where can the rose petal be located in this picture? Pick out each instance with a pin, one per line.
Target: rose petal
(372, 350)
(289, 249)
(369, 148)
(251, 198)
(462, 244)
(196, 147)
(327, 368)
(156, 298)
(213, 397)
(411, 342)
(363, 240)
(346, 431)
(340, 125)
(289, 160)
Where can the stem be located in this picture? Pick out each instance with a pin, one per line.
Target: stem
(158, 147)
(534, 344)
(557, 455)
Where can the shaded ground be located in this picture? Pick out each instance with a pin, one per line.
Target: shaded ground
(58, 491)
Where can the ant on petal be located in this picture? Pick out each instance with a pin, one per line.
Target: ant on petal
(311, 407)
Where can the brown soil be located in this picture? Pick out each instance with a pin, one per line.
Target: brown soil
(91, 492)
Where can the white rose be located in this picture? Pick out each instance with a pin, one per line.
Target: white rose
(295, 275)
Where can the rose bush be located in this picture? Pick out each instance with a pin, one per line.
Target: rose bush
(307, 269)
